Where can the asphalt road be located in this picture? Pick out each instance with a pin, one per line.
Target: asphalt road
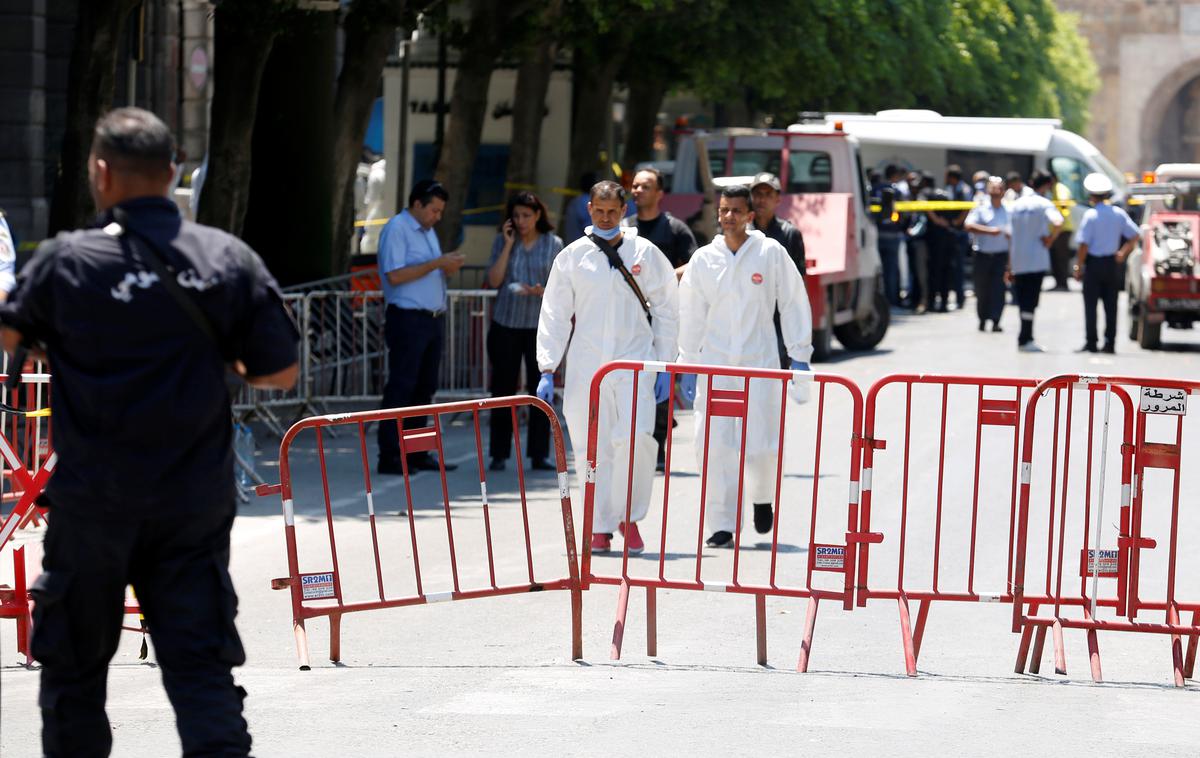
(495, 675)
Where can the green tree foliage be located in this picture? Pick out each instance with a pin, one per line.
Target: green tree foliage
(961, 57)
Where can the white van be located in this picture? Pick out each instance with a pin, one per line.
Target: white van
(928, 141)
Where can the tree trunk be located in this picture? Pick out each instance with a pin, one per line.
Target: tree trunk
(485, 39)
(289, 217)
(370, 32)
(529, 101)
(90, 84)
(241, 48)
(646, 95)
(596, 69)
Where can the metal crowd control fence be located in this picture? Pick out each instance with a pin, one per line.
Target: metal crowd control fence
(339, 567)
(343, 354)
(1144, 456)
(807, 537)
(967, 436)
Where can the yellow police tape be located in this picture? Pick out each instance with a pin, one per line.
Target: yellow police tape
(917, 206)
(39, 413)
(567, 191)
(467, 212)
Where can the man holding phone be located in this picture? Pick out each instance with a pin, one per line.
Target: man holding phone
(413, 271)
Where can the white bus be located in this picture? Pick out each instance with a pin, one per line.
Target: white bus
(928, 141)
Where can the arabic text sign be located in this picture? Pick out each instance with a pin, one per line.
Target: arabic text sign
(1108, 565)
(1163, 400)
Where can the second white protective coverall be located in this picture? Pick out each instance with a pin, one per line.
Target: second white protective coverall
(610, 325)
(727, 306)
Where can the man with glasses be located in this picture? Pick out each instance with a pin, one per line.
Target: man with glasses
(727, 299)
(413, 271)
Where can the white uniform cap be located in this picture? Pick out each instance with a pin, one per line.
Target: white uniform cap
(1097, 184)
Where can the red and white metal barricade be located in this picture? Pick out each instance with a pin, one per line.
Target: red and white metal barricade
(940, 492)
(1128, 556)
(821, 526)
(327, 582)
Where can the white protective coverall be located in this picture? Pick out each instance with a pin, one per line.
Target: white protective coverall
(726, 310)
(610, 325)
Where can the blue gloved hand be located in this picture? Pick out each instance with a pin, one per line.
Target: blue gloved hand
(545, 388)
(662, 387)
(687, 387)
(799, 391)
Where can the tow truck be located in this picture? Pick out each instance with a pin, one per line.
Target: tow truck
(821, 174)
(1162, 276)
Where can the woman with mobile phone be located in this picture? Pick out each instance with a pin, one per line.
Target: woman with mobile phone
(522, 255)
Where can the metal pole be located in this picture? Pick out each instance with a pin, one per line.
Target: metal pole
(1100, 505)
(401, 169)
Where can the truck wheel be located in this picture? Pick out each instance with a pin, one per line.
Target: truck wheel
(865, 333)
(1150, 335)
(822, 344)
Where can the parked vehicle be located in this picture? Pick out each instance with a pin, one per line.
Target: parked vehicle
(1162, 277)
(823, 194)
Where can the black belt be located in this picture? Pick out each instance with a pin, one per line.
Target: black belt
(992, 252)
(421, 311)
(1109, 257)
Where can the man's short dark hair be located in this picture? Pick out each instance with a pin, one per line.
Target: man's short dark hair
(1040, 179)
(134, 140)
(892, 171)
(954, 170)
(658, 176)
(607, 190)
(425, 191)
(1013, 176)
(736, 191)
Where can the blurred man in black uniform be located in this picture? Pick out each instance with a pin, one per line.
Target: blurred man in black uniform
(764, 195)
(139, 317)
(675, 240)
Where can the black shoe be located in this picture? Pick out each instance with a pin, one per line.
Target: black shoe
(996, 326)
(983, 325)
(389, 466)
(497, 464)
(719, 539)
(1110, 349)
(764, 517)
(428, 463)
(1087, 349)
(541, 464)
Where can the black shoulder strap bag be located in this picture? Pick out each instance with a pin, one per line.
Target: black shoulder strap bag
(614, 260)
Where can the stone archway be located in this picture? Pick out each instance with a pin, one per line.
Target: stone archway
(1169, 131)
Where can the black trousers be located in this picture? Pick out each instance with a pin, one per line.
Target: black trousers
(1060, 259)
(508, 348)
(414, 339)
(1027, 288)
(989, 285)
(178, 566)
(1101, 283)
(943, 246)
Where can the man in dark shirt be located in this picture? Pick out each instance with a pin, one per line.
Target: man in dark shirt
(669, 234)
(764, 194)
(675, 240)
(143, 492)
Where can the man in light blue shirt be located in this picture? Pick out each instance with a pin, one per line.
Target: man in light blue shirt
(1033, 224)
(1106, 235)
(413, 271)
(8, 259)
(988, 225)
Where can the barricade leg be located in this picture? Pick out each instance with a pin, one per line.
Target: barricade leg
(810, 625)
(1039, 645)
(21, 598)
(335, 637)
(760, 618)
(1189, 665)
(906, 637)
(919, 632)
(651, 623)
(1060, 652)
(1023, 648)
(1094, 656)
(301, 644)
(619, 626)
(1176, 647)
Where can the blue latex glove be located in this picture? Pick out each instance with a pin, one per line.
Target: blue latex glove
(545, 388)
(687, 387)
(799, 391)
(662, 387)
